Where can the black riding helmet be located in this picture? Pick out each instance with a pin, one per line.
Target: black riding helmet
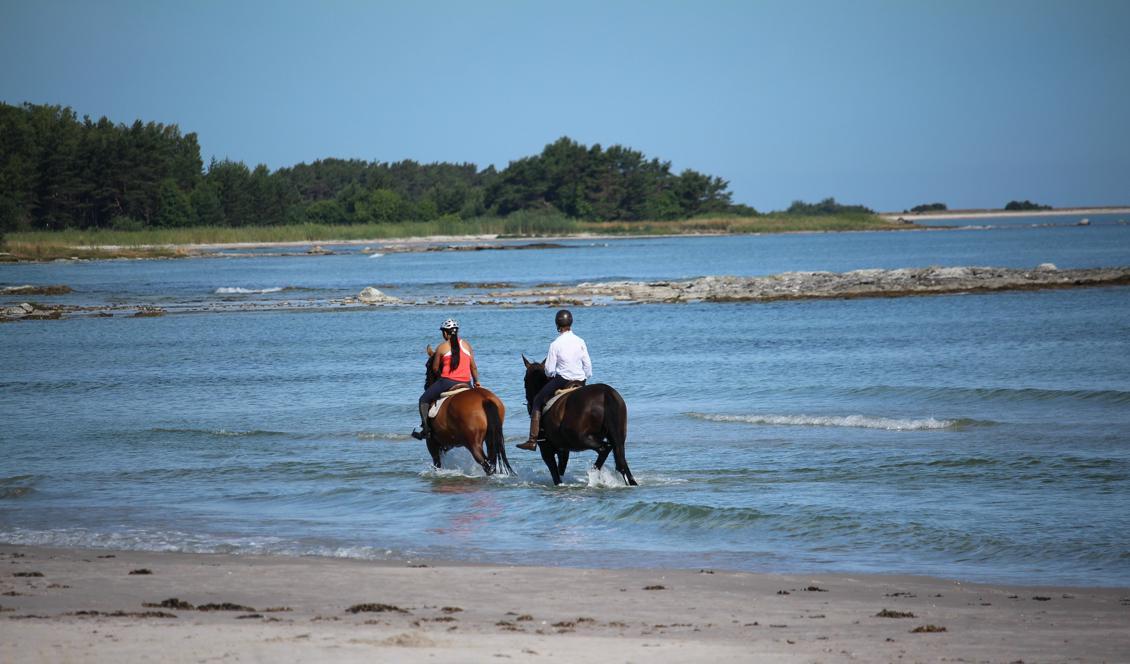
(564, 318)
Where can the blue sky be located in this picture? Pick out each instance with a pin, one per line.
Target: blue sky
(885, 103)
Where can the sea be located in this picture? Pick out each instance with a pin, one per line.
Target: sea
(976, 437)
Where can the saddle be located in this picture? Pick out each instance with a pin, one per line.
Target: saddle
(569, 387)
(455, 389)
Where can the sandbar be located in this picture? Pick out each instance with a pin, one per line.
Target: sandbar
(990, 214)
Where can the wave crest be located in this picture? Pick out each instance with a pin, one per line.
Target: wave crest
(673, 514)
(235, 290)
(851, 421)
(1009, 394)
(222, 433)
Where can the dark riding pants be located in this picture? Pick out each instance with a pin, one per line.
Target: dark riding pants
(439, 387)
(546, 392)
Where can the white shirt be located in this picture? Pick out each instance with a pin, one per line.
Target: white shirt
(568, 357)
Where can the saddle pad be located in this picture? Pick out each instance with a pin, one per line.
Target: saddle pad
(434, 410)
(557, 395)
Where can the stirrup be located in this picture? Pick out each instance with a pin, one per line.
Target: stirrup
(419, 435)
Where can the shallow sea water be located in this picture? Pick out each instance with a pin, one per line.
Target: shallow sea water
(979, 437)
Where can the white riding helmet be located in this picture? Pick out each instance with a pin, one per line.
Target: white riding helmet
(449, 324)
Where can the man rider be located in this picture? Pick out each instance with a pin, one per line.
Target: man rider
(567, 360)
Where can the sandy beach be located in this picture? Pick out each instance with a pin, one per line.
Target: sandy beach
(61, 605)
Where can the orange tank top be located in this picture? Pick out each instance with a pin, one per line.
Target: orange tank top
(462, 373)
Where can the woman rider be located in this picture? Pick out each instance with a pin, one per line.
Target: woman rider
(454, 363)
(567, 361)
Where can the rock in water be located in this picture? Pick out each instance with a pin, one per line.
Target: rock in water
(371, 295)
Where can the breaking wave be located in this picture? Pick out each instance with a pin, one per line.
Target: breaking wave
(852, 421)
(222, 433)
(1006, 394)
(146, 539)
(235, 290)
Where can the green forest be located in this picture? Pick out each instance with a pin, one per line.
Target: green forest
(62, 172)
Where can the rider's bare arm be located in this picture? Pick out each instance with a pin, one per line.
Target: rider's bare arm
(437, 357)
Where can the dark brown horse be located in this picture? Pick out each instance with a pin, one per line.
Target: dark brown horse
(467, 420)
(592, 417)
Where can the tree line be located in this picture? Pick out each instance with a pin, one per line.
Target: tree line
(1025, 205)
(59, 171)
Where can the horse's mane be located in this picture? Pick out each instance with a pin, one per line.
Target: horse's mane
(429, 375)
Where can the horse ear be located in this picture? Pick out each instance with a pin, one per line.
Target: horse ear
(527, 362)
(430, 350)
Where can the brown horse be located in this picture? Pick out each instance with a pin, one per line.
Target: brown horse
(592, 417)
(467, 420)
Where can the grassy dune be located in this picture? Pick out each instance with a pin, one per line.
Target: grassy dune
(169, 243)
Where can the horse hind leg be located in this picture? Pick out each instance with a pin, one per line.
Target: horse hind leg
(622, 465)
(615, 431)
(616, 441)
(480, 458)
(601, 455)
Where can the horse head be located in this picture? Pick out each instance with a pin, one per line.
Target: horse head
(535, 378)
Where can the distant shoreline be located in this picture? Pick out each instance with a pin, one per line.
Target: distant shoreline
(98, 244)
(39, 250)
(988, 214)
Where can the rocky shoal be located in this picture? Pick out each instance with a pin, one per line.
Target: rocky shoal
(815, 285)
(785, 286)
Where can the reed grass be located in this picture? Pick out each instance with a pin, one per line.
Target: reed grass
(172, 242)
(772, 223)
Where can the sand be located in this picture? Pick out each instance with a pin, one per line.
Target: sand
(90, 606)
(991, 214)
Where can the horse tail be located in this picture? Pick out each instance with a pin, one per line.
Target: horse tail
(496, 449)
(616, 431)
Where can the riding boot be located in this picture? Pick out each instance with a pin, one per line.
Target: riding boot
(425, 430)
(535, 426)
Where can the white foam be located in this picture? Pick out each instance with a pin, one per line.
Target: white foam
(141, 539)
(853, 421)
(375, 255)
(393, 437)
(605, 478)
(235, 290)
(456, 463)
